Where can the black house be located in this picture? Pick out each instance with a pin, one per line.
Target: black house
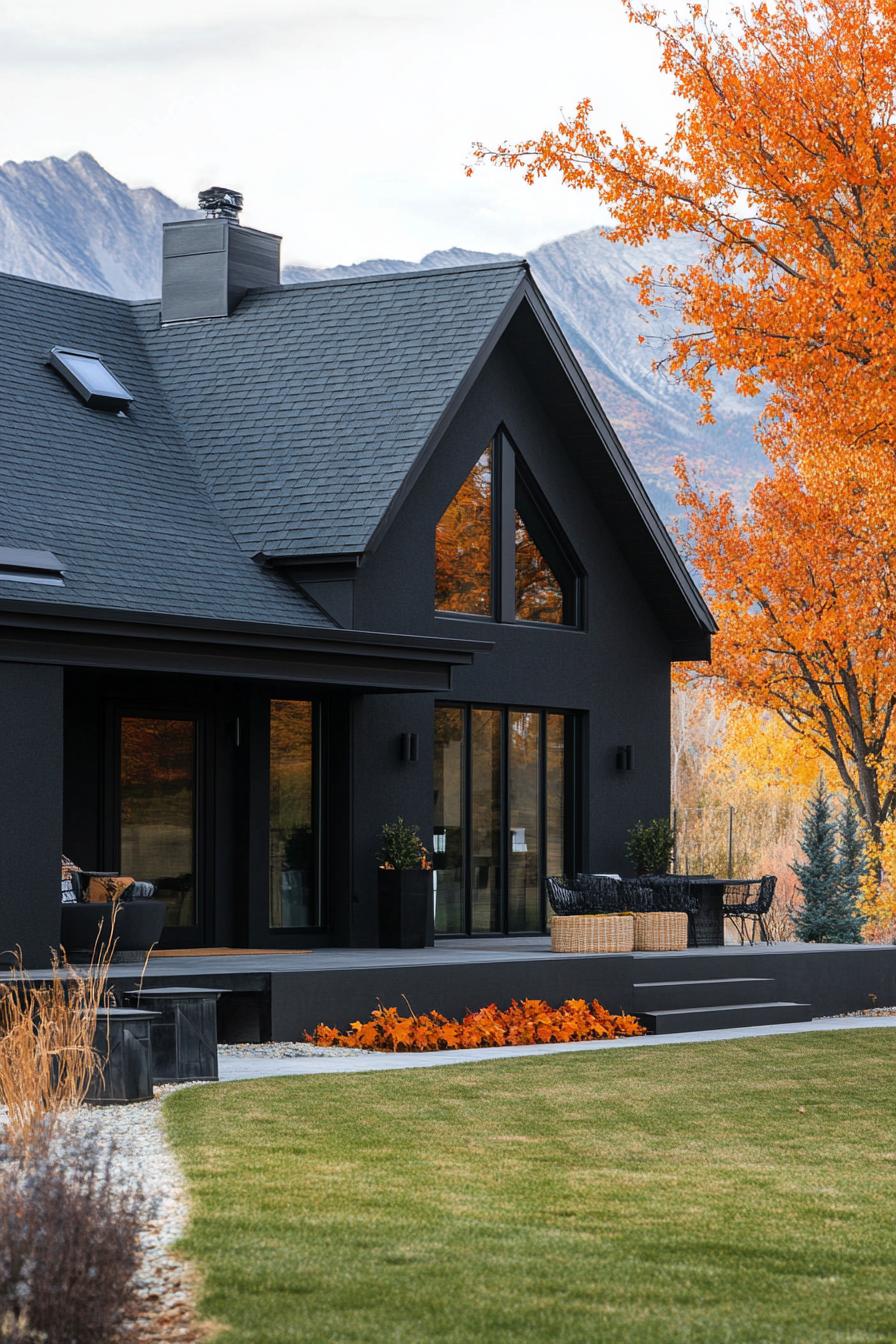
(280, 563)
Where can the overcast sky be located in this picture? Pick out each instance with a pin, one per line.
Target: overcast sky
(345, 123)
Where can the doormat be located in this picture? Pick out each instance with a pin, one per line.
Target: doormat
(230, 952)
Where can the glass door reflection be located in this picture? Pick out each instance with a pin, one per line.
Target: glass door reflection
(524, 812)
(448, 820)
(157, 810)
(293, 895)
(501, 816)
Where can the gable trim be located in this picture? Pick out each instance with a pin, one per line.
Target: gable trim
(621, 461)
(453, 406)
(528, 292)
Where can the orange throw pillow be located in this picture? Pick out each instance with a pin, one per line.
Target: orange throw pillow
(107, 890)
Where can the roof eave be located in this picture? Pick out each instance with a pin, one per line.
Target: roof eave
(25, 619)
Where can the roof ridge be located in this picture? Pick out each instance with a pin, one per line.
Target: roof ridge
(517, 264)
(69, 289)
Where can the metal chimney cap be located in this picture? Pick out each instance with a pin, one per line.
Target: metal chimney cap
(221, 202)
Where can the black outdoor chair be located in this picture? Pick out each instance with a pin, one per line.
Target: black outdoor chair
(630, 896)
(673, 892)
(139, 920)
(739, 904)
(595, 894)
(583, 895)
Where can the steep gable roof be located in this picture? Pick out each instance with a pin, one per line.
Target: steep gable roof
(294, 428)
(307, 408)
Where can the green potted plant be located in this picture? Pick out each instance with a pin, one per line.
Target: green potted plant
(405, 887)
(650, 846)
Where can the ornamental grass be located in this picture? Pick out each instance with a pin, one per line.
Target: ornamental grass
(47, 1031)
(525, 1022)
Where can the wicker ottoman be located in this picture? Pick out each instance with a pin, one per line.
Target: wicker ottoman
(661, 931)
(592, 933)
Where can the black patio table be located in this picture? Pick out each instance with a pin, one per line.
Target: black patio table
(708, 925)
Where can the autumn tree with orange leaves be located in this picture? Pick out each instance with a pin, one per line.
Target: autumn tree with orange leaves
(782, 162)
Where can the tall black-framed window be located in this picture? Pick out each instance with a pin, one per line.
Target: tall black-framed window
(294, 832)
(504, 814)
(156, 789)
(500, 554)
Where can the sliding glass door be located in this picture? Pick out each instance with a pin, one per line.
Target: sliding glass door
(486, 825)
(293, 868)
(157, 791)
(524, 820)
(449, 769)
(502, 815)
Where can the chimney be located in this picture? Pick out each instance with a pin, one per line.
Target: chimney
(209, 264)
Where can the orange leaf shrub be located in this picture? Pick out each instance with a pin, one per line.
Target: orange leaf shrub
(529, 1022)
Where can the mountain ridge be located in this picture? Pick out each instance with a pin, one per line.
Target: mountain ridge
(70, 222)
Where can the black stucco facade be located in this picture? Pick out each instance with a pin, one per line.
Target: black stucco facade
(614, 672)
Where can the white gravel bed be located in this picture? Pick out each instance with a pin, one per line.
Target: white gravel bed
(286, 1050)
(142, 1159)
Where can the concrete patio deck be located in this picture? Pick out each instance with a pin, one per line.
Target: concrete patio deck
(279, 996)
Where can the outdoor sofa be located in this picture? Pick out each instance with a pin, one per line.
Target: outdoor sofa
(596, 912)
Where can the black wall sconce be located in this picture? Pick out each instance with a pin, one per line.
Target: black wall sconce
(624, 758)
(410, 747)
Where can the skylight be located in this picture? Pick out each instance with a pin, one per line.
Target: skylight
(30, 566)
(88, 375)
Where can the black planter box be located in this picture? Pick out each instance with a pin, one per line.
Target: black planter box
(122, 1042)
(406, 915)
(184, 1032)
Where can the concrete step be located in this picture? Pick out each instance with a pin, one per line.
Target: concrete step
(652, 995)
(666, 1021)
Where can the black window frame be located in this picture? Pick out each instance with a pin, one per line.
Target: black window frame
(107, 400)
(118, 708)
(317, 786)
(512, 479)
(572, 821)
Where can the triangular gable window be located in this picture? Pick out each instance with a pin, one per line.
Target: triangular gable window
(545, 578)
(539, 593)
(464, 545)
(499, 553)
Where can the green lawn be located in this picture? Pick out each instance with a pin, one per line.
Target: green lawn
(709, 1194)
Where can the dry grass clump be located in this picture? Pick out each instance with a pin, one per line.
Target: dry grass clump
(47, 1054)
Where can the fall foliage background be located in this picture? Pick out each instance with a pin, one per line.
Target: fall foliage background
(782, 162)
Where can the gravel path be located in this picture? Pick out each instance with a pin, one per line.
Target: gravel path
(287, 1050)
(141, 1158)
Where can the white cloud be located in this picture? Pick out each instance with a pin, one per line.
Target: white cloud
(345, 123)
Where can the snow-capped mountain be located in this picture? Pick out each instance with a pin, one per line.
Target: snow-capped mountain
(72, 223)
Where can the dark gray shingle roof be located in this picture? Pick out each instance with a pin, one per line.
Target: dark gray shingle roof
(306, 409)
(117, 498)
(287, 427)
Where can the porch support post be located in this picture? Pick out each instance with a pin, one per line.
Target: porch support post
(30, 808)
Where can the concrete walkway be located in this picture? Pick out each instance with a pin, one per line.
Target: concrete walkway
(239, 1069)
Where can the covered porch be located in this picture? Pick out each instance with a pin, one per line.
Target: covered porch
(244, 770)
